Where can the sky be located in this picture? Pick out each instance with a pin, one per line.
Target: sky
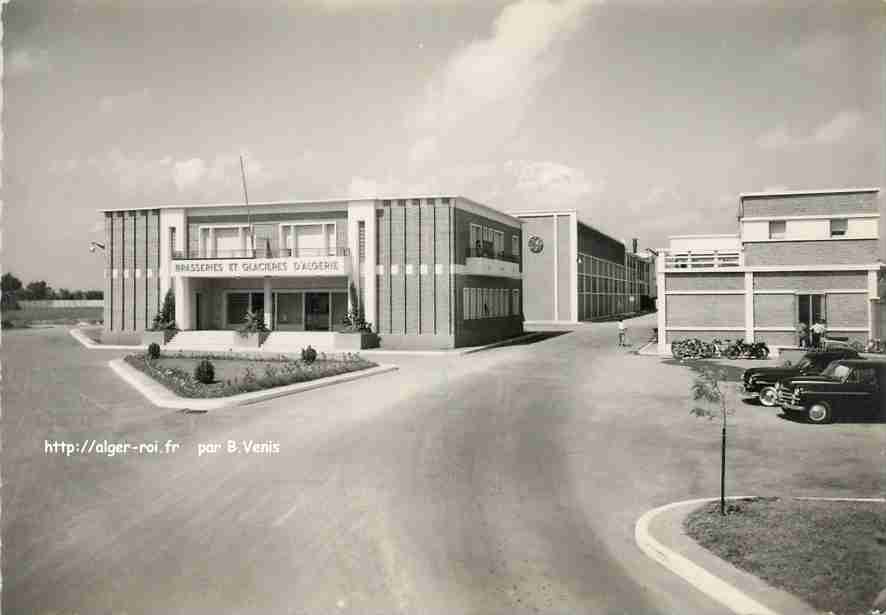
(648, 117)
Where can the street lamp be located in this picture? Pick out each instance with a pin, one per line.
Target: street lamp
(94, 244)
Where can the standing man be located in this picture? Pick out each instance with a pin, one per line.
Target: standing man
(803, 335)
(621, 333)
(818, 330)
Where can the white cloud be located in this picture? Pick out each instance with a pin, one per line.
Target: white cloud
(108, 104)
(545, 183)
(26, 61)
(778, 138)
(188, 173)
(837, 129)
(489, 84)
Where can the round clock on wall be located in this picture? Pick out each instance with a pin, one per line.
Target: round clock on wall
(536, 244)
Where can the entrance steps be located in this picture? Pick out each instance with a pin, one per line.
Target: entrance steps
(276, 341)
(294, 341)
(203, 340)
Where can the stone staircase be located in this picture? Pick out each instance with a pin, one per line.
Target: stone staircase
(294, 341)
(216, 341)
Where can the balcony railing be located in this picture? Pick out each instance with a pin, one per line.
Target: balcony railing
(490, 253)
(260, 253)
(703, 259)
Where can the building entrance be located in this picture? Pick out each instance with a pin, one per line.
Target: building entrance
(317, 312)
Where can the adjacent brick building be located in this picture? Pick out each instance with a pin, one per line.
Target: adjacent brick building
(429, 272)
(797, 257)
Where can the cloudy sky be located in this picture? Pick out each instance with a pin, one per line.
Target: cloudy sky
(649, 117)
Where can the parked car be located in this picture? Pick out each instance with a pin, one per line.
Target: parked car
(759, 382)
(849, 386)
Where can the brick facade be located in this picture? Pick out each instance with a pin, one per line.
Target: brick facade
(705, 310)
(775, 311)
(827, 252)
(705, 281)
(810, 280)
(810, 204)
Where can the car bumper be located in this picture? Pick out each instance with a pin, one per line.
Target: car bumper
(793, 407)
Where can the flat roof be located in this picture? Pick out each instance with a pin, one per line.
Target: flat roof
(287, 202)
(718, 236)
(743, 195)
(537, 213)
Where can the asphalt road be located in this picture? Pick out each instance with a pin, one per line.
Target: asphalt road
(506, 481)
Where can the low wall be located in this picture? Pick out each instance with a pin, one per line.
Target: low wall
(62, 303)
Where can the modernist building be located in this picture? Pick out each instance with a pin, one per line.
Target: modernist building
(434, 272)
(573, 272)
(797, 257)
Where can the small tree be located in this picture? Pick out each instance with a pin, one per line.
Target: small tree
(710, 389)
(165, 318)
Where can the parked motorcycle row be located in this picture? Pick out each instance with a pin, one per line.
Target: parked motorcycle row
(694, 348)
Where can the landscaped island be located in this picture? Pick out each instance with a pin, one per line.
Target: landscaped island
(204, 375)
(831, 554)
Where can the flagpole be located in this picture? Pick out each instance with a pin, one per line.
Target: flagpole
(248, 208)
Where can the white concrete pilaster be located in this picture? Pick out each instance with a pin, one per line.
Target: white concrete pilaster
(573, 251)
(749, 306)
(661, 305)
(556, 220)
(183, 302)
(269, 298)
(363, 211)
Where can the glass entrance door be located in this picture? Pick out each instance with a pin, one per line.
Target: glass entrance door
(810, 309)
(317, 311)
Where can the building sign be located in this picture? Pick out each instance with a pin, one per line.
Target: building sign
(261, 267)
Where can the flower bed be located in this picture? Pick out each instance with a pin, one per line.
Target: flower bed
(235, 375)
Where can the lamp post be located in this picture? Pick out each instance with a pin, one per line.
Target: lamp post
(94, 244)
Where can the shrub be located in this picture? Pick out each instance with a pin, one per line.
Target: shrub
(204, 372)
(308, 355)
(153, 350)
(164, 320)
(254, 322)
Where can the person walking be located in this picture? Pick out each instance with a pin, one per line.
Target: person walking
(803, 335)
(621, 333)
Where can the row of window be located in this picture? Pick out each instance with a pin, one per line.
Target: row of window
(490, 302)
(482, 236)
(778, 228)
(593, 306)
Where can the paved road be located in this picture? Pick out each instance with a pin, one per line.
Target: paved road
(506, 481)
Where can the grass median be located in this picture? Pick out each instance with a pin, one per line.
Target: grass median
(13, 319)
(830, 554)
(233, 376)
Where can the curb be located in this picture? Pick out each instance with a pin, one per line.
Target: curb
(160, 396)
(84, 339)
(695, 575)
(706, 582)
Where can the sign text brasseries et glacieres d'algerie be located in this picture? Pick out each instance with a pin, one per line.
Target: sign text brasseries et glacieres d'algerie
(329, 266)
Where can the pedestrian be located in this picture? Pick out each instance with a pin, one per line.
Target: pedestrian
(621, 333)
(818, 332)
(803, 334)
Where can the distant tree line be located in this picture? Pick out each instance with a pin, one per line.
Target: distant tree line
(14, 291)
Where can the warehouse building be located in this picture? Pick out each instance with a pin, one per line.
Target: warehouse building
(798, 257)
(573, 272)
(428, 272)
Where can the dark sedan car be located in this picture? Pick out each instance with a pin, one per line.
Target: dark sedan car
(760, 381)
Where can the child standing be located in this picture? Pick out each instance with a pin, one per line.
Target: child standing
(621, 333)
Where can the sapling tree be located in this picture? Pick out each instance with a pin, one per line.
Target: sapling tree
(710, 399)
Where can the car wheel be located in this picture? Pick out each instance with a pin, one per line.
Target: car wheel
(819, 413)
(768, 397)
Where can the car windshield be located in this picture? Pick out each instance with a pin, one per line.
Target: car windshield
(836, 370)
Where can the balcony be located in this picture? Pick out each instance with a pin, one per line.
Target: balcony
(484, 261)
(267, 262)
(270, 252)
(702, 259)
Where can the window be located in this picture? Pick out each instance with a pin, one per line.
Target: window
(361, 240)
(515, 298)
(476, 237)
(777, 229)
(498, 242)
(515, 245)
(838, 227)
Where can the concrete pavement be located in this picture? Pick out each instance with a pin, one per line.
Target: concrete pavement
(505, 481)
